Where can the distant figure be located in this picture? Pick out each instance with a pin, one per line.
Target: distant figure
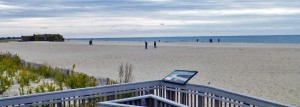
(146, 45)
(210, 40)
(91, 42)
(154, 44)
(158, 40)
(197, 40)
(218, 40)
(68, 39)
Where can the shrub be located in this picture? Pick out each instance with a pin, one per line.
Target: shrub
(59, 79)
(30, 90)
(79, 80)
(9, 63)
(41, 88)
(50, 87)
(23, 78)
(5, 83)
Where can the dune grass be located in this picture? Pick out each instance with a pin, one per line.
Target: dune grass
(11, 68)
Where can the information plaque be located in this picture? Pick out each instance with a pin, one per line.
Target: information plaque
(180, 76)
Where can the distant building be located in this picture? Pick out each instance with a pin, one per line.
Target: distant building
(43, 37)
(27, 38)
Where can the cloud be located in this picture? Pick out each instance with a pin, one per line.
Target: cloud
(5, 7)
(116, 18)
(265, 11)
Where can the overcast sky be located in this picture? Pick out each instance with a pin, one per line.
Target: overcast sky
(143, 18)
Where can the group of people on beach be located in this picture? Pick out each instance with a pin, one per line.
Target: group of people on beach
(146, 44)
(210, 40)
(154, 43)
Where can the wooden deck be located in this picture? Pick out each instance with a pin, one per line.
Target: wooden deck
(190, 94)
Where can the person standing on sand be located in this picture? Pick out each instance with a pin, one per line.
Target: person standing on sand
(154, 44)
(197, 40)
(210, 40)
(146, 44)
(91, 42)
(218, 40)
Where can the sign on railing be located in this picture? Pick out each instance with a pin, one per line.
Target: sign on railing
(180, 76)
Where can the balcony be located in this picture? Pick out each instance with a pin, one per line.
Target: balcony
(150, 93)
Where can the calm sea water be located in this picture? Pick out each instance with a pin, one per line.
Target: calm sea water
(286, 39)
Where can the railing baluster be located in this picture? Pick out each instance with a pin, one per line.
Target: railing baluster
(163, 91)
(188, 98)
(183, 98)
(160, 91)
(230, 104)
(75, 102)
(195, 99)
(177, 95)
(217, 102)
(84, 103)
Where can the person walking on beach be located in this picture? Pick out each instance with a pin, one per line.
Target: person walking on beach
(91, 42)
(154, 44)
(218, 40)
(197, 40)
(146, 44)
(210, 40)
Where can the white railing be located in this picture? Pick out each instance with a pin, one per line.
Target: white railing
(149, 100)
(189, 94)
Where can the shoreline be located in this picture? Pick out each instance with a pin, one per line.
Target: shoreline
(261, 70)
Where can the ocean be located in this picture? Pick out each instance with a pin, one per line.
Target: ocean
(277, 39)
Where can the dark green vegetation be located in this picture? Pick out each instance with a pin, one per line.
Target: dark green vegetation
(9, 39)
(43, 37)
(11, 68)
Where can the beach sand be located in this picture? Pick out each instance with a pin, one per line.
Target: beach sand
(268, 71)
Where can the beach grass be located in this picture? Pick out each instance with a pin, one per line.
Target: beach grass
(11, 69)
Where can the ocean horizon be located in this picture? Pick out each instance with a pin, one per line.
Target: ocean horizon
(277, 39)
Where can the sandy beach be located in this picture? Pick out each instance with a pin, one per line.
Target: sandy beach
(269, 71)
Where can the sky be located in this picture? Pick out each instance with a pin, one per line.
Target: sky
(149, 18)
